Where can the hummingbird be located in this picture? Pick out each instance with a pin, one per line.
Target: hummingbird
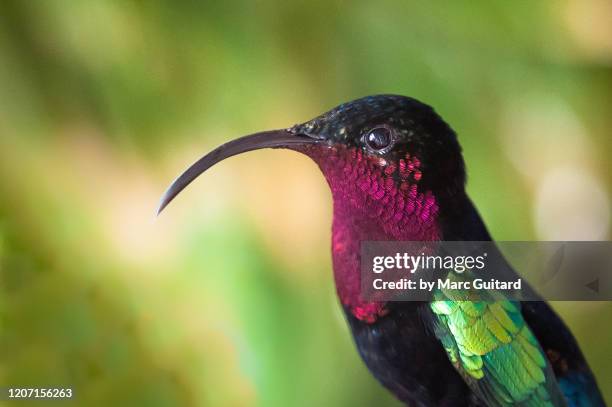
(396, 173)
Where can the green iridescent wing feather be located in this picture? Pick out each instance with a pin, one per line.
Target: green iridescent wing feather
(492, 347)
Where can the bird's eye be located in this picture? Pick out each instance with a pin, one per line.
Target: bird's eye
(379, 139)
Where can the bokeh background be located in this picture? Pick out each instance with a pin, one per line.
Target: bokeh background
(227, 299)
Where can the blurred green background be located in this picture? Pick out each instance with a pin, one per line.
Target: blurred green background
(227, 299)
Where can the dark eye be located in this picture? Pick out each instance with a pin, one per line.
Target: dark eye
(379, 139)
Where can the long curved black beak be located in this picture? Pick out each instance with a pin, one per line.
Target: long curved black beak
(267, 139)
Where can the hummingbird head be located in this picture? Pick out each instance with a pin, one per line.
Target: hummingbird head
(384, 157)
(388, 158)
(394, 168)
